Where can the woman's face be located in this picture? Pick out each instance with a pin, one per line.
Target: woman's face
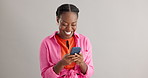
(67, 24)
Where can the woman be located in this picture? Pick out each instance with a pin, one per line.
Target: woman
(55, 60)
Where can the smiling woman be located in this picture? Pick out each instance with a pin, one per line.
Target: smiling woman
(55, 58)
(67, 24)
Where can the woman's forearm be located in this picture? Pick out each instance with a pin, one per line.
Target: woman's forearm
(83, 67)
(58, 67)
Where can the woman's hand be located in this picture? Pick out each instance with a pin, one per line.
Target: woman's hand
(67, 59)
(78, 58)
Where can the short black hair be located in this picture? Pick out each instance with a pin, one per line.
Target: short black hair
(66, 8)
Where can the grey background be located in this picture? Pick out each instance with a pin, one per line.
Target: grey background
(118, 30)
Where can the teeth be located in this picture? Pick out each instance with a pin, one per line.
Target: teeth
(68, 32)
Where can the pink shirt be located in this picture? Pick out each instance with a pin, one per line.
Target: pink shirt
(50, 55)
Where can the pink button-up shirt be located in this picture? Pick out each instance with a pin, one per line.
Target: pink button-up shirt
(50, 55)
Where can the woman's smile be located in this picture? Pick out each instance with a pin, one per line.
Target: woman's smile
(68, 33)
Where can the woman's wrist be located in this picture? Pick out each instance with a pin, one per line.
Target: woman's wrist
(58, 67)
(83, 67)
(82, 63)
(61, 63)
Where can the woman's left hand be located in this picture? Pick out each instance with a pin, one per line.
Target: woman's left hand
(78, 58)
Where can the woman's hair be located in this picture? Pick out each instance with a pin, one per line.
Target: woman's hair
(66, 8)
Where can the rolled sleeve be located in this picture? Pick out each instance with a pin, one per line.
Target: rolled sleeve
(88, 59)
(89, 72)
(90, 69)
(49, 73)
(45, 65)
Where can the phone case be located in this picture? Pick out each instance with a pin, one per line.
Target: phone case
(75, 50)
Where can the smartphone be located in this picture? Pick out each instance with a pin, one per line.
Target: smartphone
(75, 50)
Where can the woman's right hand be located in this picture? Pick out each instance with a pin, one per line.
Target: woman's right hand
(67, 59)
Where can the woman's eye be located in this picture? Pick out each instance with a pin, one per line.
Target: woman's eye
(74, 25)
(64, 24)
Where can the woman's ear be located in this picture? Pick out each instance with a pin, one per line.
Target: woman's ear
(57, 20)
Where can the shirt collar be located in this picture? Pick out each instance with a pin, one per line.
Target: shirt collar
(75, 34)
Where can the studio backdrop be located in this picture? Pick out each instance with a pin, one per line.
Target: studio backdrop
(117, 29)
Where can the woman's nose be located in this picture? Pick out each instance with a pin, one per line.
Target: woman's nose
(69, 28)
